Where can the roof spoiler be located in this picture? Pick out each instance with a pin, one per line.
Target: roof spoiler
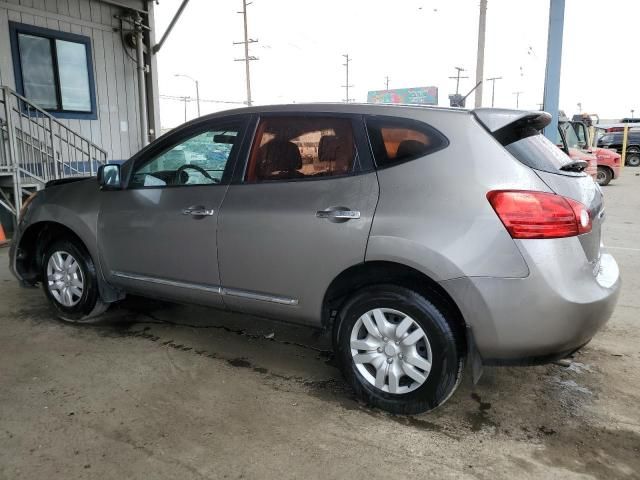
(508, 126)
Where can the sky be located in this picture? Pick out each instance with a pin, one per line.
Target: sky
(414, 42)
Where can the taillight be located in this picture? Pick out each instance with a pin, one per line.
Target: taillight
(528, 214)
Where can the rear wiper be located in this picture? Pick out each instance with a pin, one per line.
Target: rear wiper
(574, 166)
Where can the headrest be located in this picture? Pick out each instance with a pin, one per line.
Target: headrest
(328, 148)
(278, 156)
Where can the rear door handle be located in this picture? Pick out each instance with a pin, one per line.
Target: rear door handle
(198, 211)
(338, 214)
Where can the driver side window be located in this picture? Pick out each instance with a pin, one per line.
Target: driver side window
(198, 160)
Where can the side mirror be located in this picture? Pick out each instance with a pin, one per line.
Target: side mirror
(109, 177)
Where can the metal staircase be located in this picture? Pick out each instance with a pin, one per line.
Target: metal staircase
(35, 148)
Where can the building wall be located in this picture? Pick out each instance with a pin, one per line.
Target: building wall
(117, 127)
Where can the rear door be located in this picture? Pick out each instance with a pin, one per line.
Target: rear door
(297, 215)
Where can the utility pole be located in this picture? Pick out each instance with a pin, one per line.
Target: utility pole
(185, 100)
(247, 58)
(347, 85)
(493, 88)
(517, 94)
(632, 111)
(482, 24)
(554, 63)
(197, 88)
(457, 78)
(386, 81)
(579, 107)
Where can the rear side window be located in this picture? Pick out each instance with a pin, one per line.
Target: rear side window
(292, 148)
(535, 151)
(395, 140)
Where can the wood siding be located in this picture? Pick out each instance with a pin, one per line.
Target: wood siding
(116, 128)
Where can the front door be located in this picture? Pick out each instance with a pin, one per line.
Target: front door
(157, 236)
(297, 216)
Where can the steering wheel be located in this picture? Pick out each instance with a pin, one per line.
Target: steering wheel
(182, 168)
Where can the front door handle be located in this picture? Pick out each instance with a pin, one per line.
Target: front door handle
(198, 211)
(339, 213)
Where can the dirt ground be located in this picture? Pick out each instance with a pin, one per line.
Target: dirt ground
(166, 392)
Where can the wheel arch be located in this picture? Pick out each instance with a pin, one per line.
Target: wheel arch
(381, 272)
(32, 244)
(31, 248)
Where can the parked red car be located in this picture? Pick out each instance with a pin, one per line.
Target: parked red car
(608, 165)
(590, 158)
(568, 142)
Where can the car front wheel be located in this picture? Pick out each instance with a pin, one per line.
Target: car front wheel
(397, 349)
(70, 282)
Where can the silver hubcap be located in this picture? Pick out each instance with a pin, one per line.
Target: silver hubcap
(391, 351)
(601, 176)
(64, 279)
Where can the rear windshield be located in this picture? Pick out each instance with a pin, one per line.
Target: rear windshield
(535, 151)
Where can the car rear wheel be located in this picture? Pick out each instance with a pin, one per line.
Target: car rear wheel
(397, 349)
(70, 282)
(604, 176)
(633, 157)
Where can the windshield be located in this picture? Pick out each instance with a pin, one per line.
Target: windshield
(570, 135)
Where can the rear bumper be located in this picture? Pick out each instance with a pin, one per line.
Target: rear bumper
(554, 311)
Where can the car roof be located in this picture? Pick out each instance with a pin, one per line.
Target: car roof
(334, 107)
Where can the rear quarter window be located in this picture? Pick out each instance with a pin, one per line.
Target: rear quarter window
(396, 140)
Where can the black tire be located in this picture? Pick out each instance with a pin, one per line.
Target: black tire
(604, 176)
(433, 316)
(633, 157)
(89, 305)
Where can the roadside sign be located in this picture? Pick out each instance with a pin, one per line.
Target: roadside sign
(416, 95)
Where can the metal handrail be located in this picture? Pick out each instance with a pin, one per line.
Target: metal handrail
(51, 117)
(36, 147)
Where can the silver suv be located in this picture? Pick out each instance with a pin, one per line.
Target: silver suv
(419, 237)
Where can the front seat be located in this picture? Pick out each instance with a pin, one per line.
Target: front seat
(279, 159)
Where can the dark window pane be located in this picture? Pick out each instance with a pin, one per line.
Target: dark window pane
(288, 148)
(74, 76)
(396, 140)
(37, 70)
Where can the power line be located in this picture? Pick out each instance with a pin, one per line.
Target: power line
(206, 100)
(247, 58)
(346, 86)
